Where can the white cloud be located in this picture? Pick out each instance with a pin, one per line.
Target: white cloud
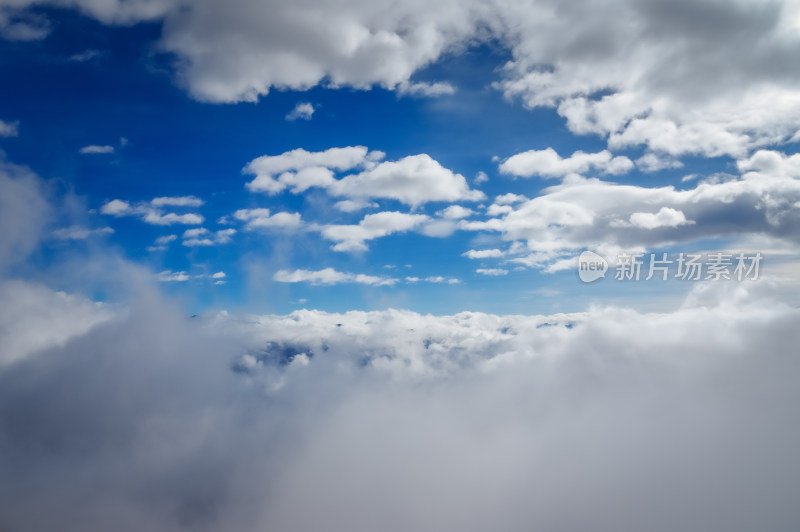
(372, 226)
(492, 272)
(161, 243)
(588, 213)
(9, 129)
(301, 111)
(157, 218)
(286, 418)
(178, 201)
(329, 276)
(497, 210)
(480, 177)
(439, 279)
(652, 162)
(76, 232)
(455, 212)
(166, 239)
(412, 180)
(17, 24)
(262, 219)
(484, 254)
(40, 318)
(769, 163)
(439, 228)
(24, 212)
(219, 275)
(300, 168)
(665, 217)
(116, 208)
(86, 55)
(202, 237)
(428, 90)
(354, 205)
(509, 199)
(547, 163)
(95, 149)
(151, 214)
(168, 276)
(607, 67)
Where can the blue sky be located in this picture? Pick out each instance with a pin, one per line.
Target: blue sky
(124, 91)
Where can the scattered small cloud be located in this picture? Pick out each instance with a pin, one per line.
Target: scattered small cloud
(329, 276)
(177, 201)
(492, 272)
(85, 56)
(94, 149)
(161, 243)
(424, 89)
(484, 254)
(151, 213)
(9, 129)
(547, 163)
(301, 111)
(168, 276)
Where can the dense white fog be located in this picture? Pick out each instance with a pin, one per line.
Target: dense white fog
(137, 417)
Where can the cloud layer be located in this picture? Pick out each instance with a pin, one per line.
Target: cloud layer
(143, 418)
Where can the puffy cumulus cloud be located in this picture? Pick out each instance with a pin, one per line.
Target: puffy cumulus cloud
(301, 169)
(372, 226)
(96, 150)
(589, 213)
(412, 180)
(455, 212)
(301, 111)
(318, 420)
(9, 129)
(653, 162)
(548, 163)
(151, 213)
(329, 276)
(770, 163)
(665, 217)
(610, 69)
(262, 219)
